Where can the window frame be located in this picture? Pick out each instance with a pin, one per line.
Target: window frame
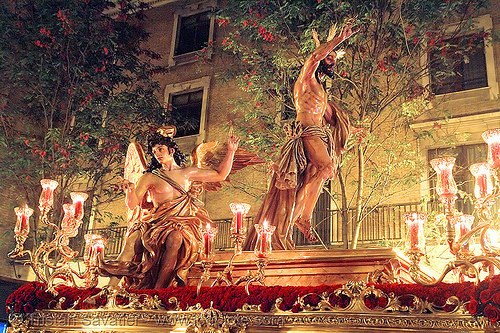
(187, 11)
(483, 23)
(198, 104)
(457, 83)
(190, 141)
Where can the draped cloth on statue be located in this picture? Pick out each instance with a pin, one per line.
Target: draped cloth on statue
(278, 204)
(181, 214)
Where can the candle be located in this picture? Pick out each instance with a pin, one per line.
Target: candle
(239, 221)
(445, 183)
(23, 214)
(78, 200)
(94, 246)
(208, 236)
(415, 240)
(263, 244)
(264, 233)
(47, 195)
(239, 210)
(208, 241)
(463, 226)
(482, 172)
(492, 138)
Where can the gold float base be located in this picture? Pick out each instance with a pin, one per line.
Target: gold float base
(211, 320)
(309, 267)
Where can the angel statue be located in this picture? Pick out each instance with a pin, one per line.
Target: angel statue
(164, 234)
(316, 138)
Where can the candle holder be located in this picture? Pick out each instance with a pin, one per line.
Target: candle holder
(262, 254)
(492, 139)
(46, 199)
(206, 254)
(238, 230)
(263, 245)
(48, 270)
(238, 235)
(78, 199)
(415, 239)
(21, 230)
(459, 224)
(463, 224)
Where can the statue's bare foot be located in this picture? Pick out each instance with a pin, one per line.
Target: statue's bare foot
(305, 227)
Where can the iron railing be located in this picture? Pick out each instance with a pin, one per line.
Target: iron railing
(381, 224)
(116, 235)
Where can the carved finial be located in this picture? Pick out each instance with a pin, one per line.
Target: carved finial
(168, 131)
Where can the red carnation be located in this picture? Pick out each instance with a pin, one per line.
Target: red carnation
(485, 296)
(371, 302)
(492, 313)
(473, 307)
(496, 298)
(382, 302)
(343, 301)
(495, 283)
(28, 308)
(296, 308)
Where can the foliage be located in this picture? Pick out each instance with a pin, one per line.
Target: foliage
(76, 86)
(378, 81)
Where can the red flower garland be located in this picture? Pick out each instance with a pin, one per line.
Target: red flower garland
(483, 300)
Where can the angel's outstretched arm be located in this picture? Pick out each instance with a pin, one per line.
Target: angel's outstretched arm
(210, 175)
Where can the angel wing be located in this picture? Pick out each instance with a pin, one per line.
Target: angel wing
(211, 154)
(135, 165)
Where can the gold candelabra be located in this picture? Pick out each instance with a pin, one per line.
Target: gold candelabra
(55, 272)
(238, 235)
(486, 191)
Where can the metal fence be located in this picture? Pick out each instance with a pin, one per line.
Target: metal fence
(381, 224)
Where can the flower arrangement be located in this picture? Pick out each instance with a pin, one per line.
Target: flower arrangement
(480, 300)
(33, 296)
(485, 300)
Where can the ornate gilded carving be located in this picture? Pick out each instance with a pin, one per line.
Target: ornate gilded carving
(135, 301)
(212, 320)
(389, 274)
(347, 306)
(19, 322)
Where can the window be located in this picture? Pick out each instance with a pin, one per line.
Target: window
(185, 112)
(187, 104)
(468, 70)
(477, 72)
(465, 155)
(193, 33)
(193, 30)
